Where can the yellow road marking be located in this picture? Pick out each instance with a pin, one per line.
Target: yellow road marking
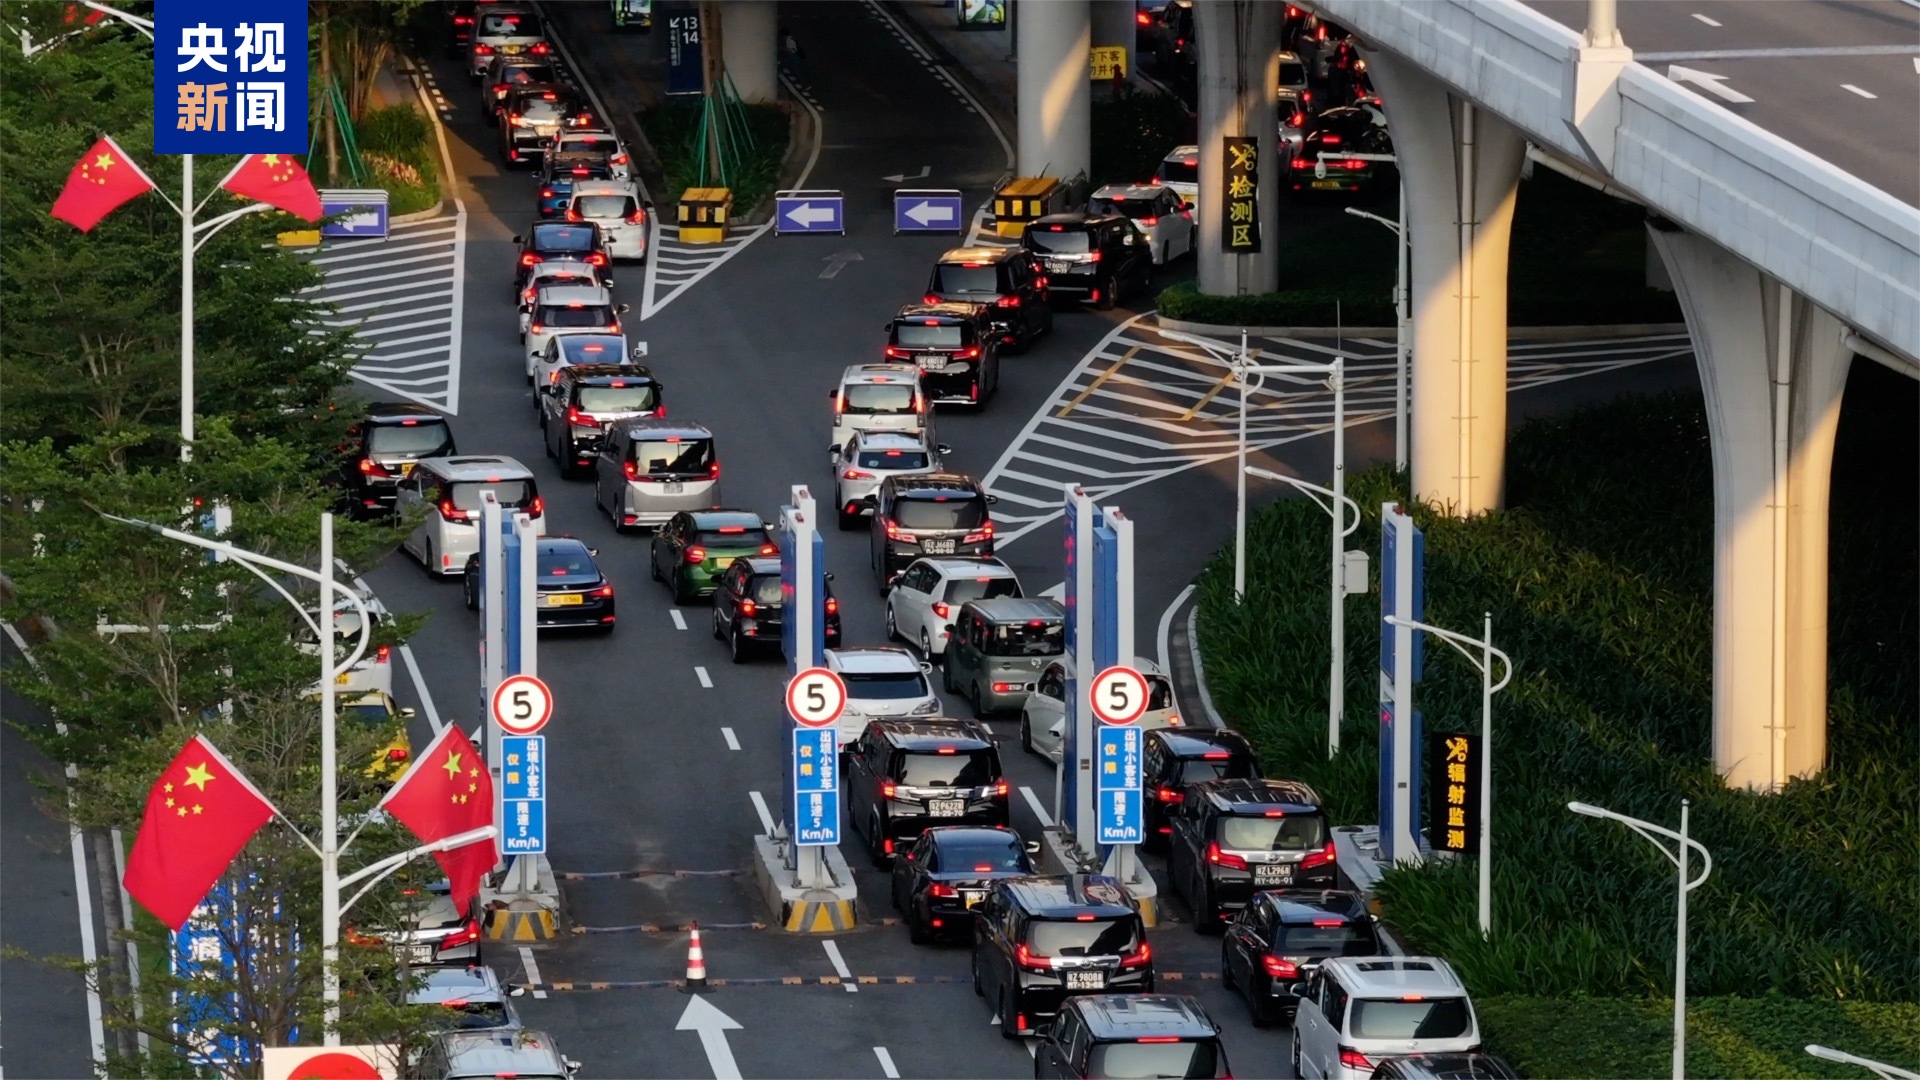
(1095, 384)
(1225, 381)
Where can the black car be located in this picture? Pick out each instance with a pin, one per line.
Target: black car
(570, 591)
(749, 608)
(531, 114)
(1174, 50)
(381, 450)
(1338, 133)
(1281, 936)
(1233, 838)
(578, 240)
(1096, 259)
(561, 171)
(585, 399)
(460, 18)
(1177, 757)
(1445, 1067)
(1116, 1035)
(1038, 941)
(1005, 281)
(955, 346)
(944, 876)
(906, 776)
(927, 514)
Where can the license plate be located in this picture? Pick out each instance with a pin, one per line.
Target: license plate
(938, 547)
(406, 468)
(563, 600)
(1273, 874)
(1058, 266)
(723, 562)
(972, 897)
(341, 680)
(419, 954)
(675, 487)
(1086, 980)
(947, 807)
(511, 50)
(933, 362)
(1333, 185)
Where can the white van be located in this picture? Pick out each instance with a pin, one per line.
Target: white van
(615, 206)
(880, 397)
(1357, 1011)
(445, 494)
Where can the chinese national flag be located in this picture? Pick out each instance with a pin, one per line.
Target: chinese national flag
(446, 792)
(99, 184)
(278, 181)
(199, 815)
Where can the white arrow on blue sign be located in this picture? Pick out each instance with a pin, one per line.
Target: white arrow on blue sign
(809, 212)
(926, 210)
(355, 214)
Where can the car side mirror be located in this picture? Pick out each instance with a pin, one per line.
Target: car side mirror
(1186, 204)
(944, 449)
(1033, 847)
(572, 1065)
(926, 667)
(993, 500)
(407, 714)
(895, 579)
(595, 552)
(829, 577)
(623, 309)
(1298, 990)
(834, 449)
(833, 394)
(607, 281)
(519, 240)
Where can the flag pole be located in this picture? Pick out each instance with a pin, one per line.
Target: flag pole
(186, 332)
(329, 799)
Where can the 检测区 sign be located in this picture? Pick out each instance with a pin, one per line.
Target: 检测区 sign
(1453, 792)
(230, 77)
(1240, 195)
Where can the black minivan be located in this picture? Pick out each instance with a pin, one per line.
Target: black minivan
(381, 450)
(1004, 279)
(928, 514)
(1098, 259)
(1124, 1035)
(954, 346)
(1041, 940)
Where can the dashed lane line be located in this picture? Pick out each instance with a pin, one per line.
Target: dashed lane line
(532, 968)
(733, 742)
(1039, 811)
(679, 621)
(760, 807)
(840, 965)
(706, 680)
(886, 1063)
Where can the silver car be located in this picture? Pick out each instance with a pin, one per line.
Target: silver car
(569, 347)
(1159, 213)
(560, 309)
(867, 458)
(651, 469)
(567, 139)
(881, 683)
(615, 206)
(1043, 715)
(876, 396)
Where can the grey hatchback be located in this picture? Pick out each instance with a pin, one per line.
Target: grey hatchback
(998, 648)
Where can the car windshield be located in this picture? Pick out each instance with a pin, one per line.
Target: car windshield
(890, 459)
(1184, 171)
(733, 536)
(510, 24)
(982, 857)
(886, 399)
(589, 349)
(372, 714)
(1159, 692)
(885, 685)
(1201, 770)
(1142, 1060)
(1293, 832)
(764, 590)
(466, 494)
(919, 334)
(604, 206)
(541, 281)
(573, 315)
(1067, 241)
(963, 279)
(521, 74)
(1076, 937)
(1440, 1018)
(603, 399)
(563, 238)
(583, 167)
(673, 455)
(962, 590)
(961, 512)
(420, 438)
(962, 769)
(1346, 939)
(1132, 208)
(1035, 637)
(570, 563)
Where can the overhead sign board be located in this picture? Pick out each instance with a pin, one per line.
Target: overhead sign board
(809, 212)
(354, 214)
(523, 795)
(927, 210)
(1117, 785)
(816, 787)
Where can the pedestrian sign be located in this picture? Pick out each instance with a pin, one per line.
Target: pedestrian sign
(816, 787)
(809, 212)
(1117, 786)
(927, 210)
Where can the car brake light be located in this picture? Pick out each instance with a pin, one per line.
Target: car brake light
(1280, 969)
(632, 471)
(941, 610)
(573, 215)
(769, 549)
(1007, 301)
(372, 468)
(732, 529)
(1216, 755)
(1168, 795)
(833, 605)
(713, 471)
(1095, 257)
(887, 788)
(529, 259)
(1138, 958)
(1302, 163)
(1330, 139)
(1353, 164)
(1329, 922)
(897, 354)
(1005, 687)
(696, 555)
(937, 889)
(1031, 960)
(856, 474)
(930, 298)
(1158, 1039)
(1143, 18)
(638, 217)
(536, 328)
(618, 159)
(540, 49)
(463, 20)
(894, 533)
(1001, 788)
(448, 511)
(1354, 1059)
(467, 935)
(1225, 859)
(539, 506)
(398, 753)
(1149, 222)
(483, 50)
(985, 533)
(1320, 858)
(604, 590)
(382, 654)
(596, 259)
(748, 607)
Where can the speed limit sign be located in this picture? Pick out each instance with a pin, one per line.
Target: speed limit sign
(816, 697)
(522, 705)
(1118, 695)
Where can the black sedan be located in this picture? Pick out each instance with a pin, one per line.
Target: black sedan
(749, 608)
(946, 873)
(569, 592)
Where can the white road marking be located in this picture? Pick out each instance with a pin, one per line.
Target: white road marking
(706, 680)
(886, 1063)
(733, 743)
(1039, 811)
(840, 966)
(1166, 630)
(533, 970)
(973, 103)
(1706, 20)
(1868, 94)
(760, 807)
(406, 653)
(679, 621)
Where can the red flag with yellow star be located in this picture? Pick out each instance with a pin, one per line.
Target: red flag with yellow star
(200, 814)
(446, 792)
(99, 184)
(278, 181)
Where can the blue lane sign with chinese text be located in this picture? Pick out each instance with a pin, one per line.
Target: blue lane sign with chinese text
(1117, 785)
(809, 212)
(230, 77)
(354, 214)
(816, 787)
(523, 794)
(927, 210)
(684, 74)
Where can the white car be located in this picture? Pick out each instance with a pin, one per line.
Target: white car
(872, 397)
(559, 309)
(594, 139)
(443, 493)
(566, 348)
(615, 206)
(1180, 170)
(923, 599)
(1356, 1011)
(1158, 212)
(1295, 94)
(881, 682)
(1043, 719)
(374, 671)
(558, 272)
(501, 30)
(867, 458)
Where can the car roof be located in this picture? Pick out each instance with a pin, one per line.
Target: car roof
(952, 567)
(715, 519)
(443, 984)
(607, 187)
(879, 373)
(1459, 1066)
(872, 658)
(572, 342)
(500, 1051)
(921, 736)
(961, 834)
(1384, 976)
(582, 372)
(560, 545)
(946, 309)
(1186, 151)
(932, 485)
(1065, 895)
(575, 294)
(1296, 906)
(556, 267)
(1197, 742)
(1129, 191)
(980, 255)
(395, 412)
(762, 564)
(892, 439)
(465, 467)
(1074, 217)
(1121, 1017)
(540, 227)
(655, 427)
(1018, 608)
(542, 89)
(1235, 796)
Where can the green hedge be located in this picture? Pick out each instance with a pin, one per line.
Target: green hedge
(398, 144)
(1598, 578)
(674, 129)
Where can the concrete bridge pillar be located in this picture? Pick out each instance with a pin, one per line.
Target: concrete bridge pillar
(1056, 98)
(748, 48)
(1239, 77)
(1461, 169)
(1772, 367)
(1113, 25)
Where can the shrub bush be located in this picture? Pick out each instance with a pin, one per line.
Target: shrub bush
(673, 128)
(398, 145)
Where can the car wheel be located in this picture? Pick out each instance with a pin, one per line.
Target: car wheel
(916, 933)
(1293, 1053)
(1226, 968)
(1206, 913)
(1106, 301)
(1026, 735)
(426, 560)
(926, 647)
(876, 845)
(472, 592)
(1258, 1012)
(893, 628)
(1009, 1028)
(738, 647)
(849, 522)
(681, 594)
(718, 634)
(946, 679)
(978, 989)
(980, 711)
(653, 562)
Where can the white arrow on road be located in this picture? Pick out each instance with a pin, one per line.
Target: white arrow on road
(808, 214)
(713, 1025)
(1710, 83)
(926, 213)
(836, 262)
(925, 171)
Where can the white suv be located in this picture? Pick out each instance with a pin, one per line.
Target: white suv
(617, 207)
(1356, 1012)
(561, 309)
(881, 682)
(867, 458)
(922, 600)
(444, 493)
(875, 397)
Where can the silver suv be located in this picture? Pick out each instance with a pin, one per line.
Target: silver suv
(474, 1055)
(867, 458)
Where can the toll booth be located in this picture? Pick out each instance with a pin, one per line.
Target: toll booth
(703, 215)
(1021, 201)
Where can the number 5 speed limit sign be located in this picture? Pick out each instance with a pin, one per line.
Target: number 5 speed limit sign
(1118, 695)
(522, 705)
(816, 697)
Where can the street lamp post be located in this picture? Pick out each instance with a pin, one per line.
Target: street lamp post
(1878, 1068)
(1403, 325)
(1488, 687)
(1678, 857)
(1335, 503)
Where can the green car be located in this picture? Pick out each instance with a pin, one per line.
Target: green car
(695, 547)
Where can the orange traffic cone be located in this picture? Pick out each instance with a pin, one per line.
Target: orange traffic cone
(696, 963)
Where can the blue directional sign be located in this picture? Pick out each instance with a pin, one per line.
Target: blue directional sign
(203, 949)
(816, 787)
(354, 214)
(809, 212)
(523, 794)
(684, 74)
(927, 210)
(1117, 785)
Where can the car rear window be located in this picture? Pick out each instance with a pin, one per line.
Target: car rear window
(1293, 832)
(982, 857)
(1292, 74)
(1074, 937)
(542, 109)
(1131, 208)
(977, 279)
(883, 399)
(885, 685)
(961, 769)
(588, 349)
(672, 455)
(1346, 939)
(346, 624)
(573, 565)
(919, 334)
(1035, 637)
(949, 512)
(476, 1015)
(605, 206)
(583, 167)
(1438, 1018)
(521, 74)
(1180, 172)
(574, 315)
(563, 238)
(1200, 770)
(1156, 1059)
(1068, 241)
(733, 536)
(370, 714)
(422, 439)
(514, 493)
(638, 397)
(961, 590)
(510, 24)
(890, 459)
(764, 590)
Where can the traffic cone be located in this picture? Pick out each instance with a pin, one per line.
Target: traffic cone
(696, 963)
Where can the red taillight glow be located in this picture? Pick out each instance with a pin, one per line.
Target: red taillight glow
(529, 259)
(1031, 960)
(1302, 163)
(1138, 958)
(398, 753)
(1007, 301)
(1320, 858)
(596, 259)
(604, 590)
(540, 49)
(1158, 1039)
(1002, 788)
(983, 534)
(833, 606)
(930, 298)
(1330, 139)
(1006, 687)
(1354, 1059)
(382, 654)
(887, 789)
(856, 474)
(748, 607)
(937, 889)
(1143, 18)
(769, 549)
(372, 468)
(632, 471)
(483, 50)
(638, 217)
(894, 354)
(1280, 969)
(466, 935)
(941, 611)
(894, 533)
(539, 506)
(1149, 222)
(696, 556)
(1222, 858)
(450, 512)
(1168, 795)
